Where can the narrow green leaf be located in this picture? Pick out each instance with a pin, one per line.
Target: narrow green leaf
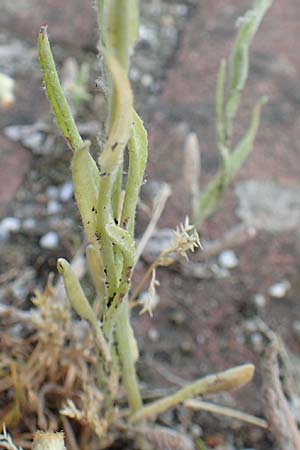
(133, 21)
(239, 66)
(111, 160)
(86, 188)
(96, 267)
(123, 240)
(81, 305)
(220, 382)
(220, 119)
(122, 116)
(245, 146)
(55, 93)
(125, 244)
(138, 153)
(210, 200)
(119, 27)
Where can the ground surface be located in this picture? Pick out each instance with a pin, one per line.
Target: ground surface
(201, 325)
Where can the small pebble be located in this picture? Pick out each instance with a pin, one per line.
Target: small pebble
(296, 327)
(219, 272)
(52, 192)
(182, 10)
(153, 335)
(9, 225)
(260, 300)
(66, 191)
(178, 318)
(34, 141)
(257, 342)
(279, 290)
(200, 339)
(249, 325)
(186, 347)
(147, 80)
(196, 430)
(49, 241)
(147, 34)
(29, 224)
(53, 207)
(134, 74)
(228, 259)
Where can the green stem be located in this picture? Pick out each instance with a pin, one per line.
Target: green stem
(127, 359)
(223, 381)
(138, 153)
(104, 216)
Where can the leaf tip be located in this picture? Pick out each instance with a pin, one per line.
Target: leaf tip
(43, 31)
(61, 264)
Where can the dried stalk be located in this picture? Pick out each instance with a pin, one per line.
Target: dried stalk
(199, 405)
(281, 422)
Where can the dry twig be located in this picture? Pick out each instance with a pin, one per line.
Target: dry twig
(281, 422)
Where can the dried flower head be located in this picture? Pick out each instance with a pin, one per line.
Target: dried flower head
(186, 239)
(150, 299)
(91, 413)
(44, 440)
(6, 441)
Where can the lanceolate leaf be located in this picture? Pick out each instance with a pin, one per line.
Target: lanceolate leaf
(86, 188)
(240, 56)
(138, 153)
(111, 159)
(124, 242)
(220, 382)
(81, 305)
(244, 147)
(64, 117)
(55, 93)
(227, 104)
(121, 116)
(231, 163)
(118, 21)
(220, 104)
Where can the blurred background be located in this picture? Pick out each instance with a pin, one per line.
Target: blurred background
(211, 314)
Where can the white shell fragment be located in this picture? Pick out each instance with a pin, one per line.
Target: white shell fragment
(228, 259)
(8, 225)
(66, 191)
(52, 192)
(260, 300)
(29, 224)
(53, 207)
(279, 290)
(49, 241)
